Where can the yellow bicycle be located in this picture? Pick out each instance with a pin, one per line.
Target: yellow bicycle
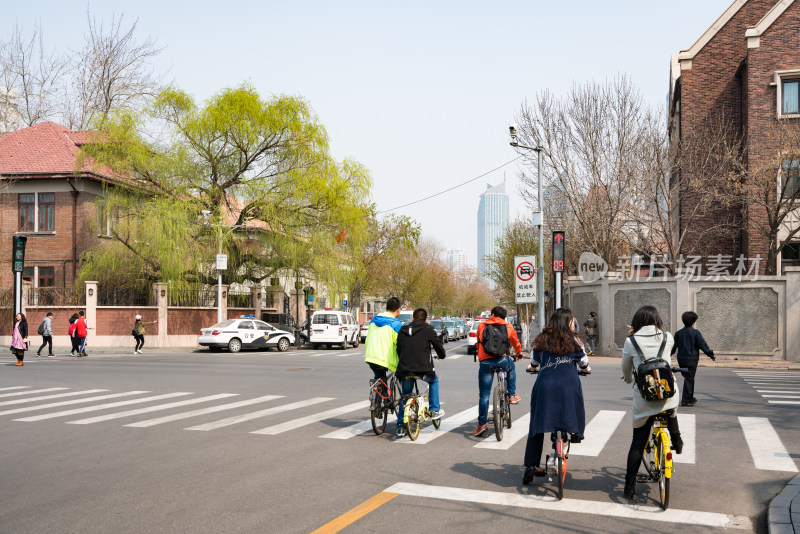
(658, 458)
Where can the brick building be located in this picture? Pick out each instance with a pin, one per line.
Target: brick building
(746, 66)
(46, 196)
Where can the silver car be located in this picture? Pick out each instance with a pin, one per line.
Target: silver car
(452, 330)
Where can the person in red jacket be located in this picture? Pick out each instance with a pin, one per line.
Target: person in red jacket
(82, 330)
(487, 362)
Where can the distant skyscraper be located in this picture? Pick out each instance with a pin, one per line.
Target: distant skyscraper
(456, 259)
(492, 221)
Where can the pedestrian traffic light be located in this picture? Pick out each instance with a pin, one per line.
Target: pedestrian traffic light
(18, 258)
(558, 251)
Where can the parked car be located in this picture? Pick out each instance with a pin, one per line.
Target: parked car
(244, 333)
(452, 330)
(363, 330)
(472, 338)
(441, 329)
(332, 327)
(406, 315)
(462, 330)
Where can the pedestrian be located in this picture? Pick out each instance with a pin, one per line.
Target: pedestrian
(557, 396)
(495, 338)
(82, 331)
(46, 331)
(381, 347)
(688, 344)
(73, 334)
(647, 330)
(19, 338)
(414, 342)
(591, 332)
(138, 332)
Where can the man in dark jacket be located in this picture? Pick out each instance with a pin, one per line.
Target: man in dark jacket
(688, 343)
(414, 343)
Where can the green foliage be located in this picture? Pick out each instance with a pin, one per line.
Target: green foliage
(520, 238)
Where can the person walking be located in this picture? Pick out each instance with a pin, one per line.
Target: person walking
(82, 331)
(688, 344)
(414, 342)
(495, 336)
(138, 332)
(647, 330)
(557, 396)
(19, 338)
(46, 331)
(381, 346)
(591, 332)
(73, 334)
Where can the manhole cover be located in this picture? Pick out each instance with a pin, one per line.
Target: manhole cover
(299, 369)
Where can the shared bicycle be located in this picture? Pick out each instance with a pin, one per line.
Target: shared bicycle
(416, 409)
(384, 398)
(501, 407)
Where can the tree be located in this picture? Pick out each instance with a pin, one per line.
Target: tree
(239, 161)
(520, 238)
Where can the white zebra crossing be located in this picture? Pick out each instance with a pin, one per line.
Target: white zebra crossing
(518, 430)
(356, 429)
(102, 407)
(46, 397)
(428, 433)
(13, 387)
(149, 409)
(261, 413)
(28, 392)
(765, 445)
(688, 426)
(203, 411)
(776, 387)
(70, 402)
(303, 421)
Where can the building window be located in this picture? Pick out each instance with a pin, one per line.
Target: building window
(27, 274)
(27, 212)
(790, 89)
(106, 220)
(791, 253)
(790, 179)
(47, 211)
(47, 276)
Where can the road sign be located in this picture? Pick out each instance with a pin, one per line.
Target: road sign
(558, 251)
(222, 262)
(18, 256)
(524, 279)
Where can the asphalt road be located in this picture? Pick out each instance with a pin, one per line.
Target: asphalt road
(216, 451)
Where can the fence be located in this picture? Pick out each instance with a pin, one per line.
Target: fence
(124, 296)
(240, 299)
(56, 296)
(194, 297)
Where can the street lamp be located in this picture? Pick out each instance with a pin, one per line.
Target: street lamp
(537, 217)
(221, 263)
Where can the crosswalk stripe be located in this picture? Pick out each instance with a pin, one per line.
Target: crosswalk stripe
(46, 397)
(767, 373)
(303, 421)
(149, 409)
(518, 430)
(74, 401)
(782, 396)
(765, 446)
(356, 429)
(102, 406)
(789, 391)
(783, 402)
(597, 433)
(30, 391)
(542, 502)
(769, 379)
(261, 413)
(428, 433)
(454, 357)
(13, 387)
(688, 426)
(202, 411)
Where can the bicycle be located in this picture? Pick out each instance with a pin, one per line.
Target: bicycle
(383, 399)
(416, 410)
(501, 407)
(657, 457)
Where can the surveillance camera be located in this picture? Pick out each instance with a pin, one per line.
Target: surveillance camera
(512, 129)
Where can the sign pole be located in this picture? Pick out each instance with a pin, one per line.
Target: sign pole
(17, 293)
(540, 289)
(558, 266)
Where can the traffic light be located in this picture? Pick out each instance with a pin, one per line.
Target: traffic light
(558, 251)
(18, 257)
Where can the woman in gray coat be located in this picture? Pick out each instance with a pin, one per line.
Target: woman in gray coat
(648, 330)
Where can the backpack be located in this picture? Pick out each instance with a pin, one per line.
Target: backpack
(654, 377)
(495, 340)
(41, 329)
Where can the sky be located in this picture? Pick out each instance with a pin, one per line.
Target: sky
(420, 92)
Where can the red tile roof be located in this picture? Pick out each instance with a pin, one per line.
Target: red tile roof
(45, 148)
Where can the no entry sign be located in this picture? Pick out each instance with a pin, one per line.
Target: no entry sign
(525, 279)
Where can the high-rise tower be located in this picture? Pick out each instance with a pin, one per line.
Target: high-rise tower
(492, 221)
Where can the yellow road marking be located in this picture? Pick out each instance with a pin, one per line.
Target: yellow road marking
(351, 516)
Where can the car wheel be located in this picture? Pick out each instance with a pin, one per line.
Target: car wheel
(356, 341)
(234, 345)
(343, 346)
(283, 344)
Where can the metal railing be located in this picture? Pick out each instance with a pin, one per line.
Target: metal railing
(125, 296)
(204, 297)
(56, 296)
(240, 299)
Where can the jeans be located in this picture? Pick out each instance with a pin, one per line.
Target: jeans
(81, 345)
(485, 383)
(407, 387)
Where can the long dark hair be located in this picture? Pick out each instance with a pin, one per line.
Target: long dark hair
(22, 315)
(558, 337)
(646, 316)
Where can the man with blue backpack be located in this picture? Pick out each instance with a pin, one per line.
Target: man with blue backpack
(495, 337)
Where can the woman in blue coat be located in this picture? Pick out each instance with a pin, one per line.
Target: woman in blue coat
(557, 397)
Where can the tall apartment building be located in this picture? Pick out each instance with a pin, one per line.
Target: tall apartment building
(492, 221)
(456, 259)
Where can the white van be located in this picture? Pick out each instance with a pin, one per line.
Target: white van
(331, 327)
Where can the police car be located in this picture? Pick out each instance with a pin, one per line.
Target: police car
(244, 332)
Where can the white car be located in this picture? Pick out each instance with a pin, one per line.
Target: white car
(244, 333)
(472, 338)
(333, 327)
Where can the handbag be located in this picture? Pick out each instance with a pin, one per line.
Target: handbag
(133, 332)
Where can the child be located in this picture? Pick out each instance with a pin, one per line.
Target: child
(688, 343)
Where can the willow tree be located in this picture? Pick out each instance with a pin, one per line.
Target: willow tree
(252, 176)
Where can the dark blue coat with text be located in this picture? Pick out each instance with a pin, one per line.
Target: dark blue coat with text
(557, 397)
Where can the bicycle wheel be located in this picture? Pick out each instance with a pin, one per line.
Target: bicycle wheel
(498, 413)
(412, 409)
(663, 481)
(508, 413)
(649, 460)
(378, 418)
(561, 472)
(437, 423)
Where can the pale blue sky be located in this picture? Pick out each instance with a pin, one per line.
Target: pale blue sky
(421, 92)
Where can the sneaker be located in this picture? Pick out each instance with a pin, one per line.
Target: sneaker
(437, 414)
(530, 472)
(38, 355)
(400, 432)
(480, 430)
(514, 399)
(51, 355)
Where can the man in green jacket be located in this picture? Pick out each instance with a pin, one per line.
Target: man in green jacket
(381, 344)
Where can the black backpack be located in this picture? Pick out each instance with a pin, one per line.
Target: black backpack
(495, 340)
(41, 329)
(654, 376)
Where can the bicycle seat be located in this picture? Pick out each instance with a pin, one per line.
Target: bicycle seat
(413, 377)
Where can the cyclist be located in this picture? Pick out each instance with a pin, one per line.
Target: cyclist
(414, 343)
(381, 343)
(557, 396)
(494, 358)
(647, 328)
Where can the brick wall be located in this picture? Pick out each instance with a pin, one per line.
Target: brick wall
(115, 321)
(60, 318)
(189, 321)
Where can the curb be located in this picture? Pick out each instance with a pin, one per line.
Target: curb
(784, 510)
